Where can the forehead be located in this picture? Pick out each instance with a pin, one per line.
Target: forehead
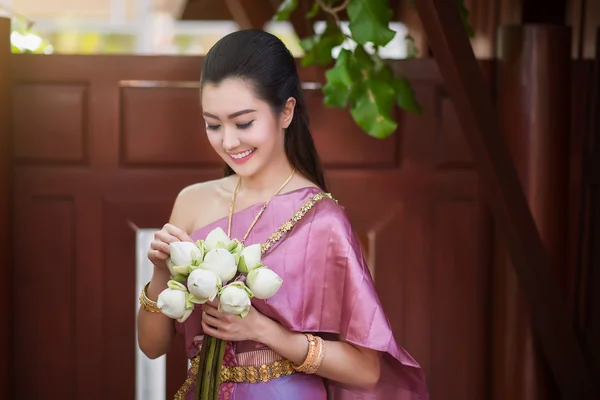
(229, 96)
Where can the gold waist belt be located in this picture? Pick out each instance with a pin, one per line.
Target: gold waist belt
(255, 374)
(240, 374)
(250, 373)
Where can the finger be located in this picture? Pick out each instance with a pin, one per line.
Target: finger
(166, 237)
(157, 255)
(160, 246)
(212, 321)
(178, 233)
(207, 308)
(154, 255)
(213, 332)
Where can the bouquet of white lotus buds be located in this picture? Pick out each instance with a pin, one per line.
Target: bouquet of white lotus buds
(205, 270)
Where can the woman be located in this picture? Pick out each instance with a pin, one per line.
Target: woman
(324, 334)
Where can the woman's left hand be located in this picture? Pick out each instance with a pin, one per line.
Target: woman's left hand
(231, 327)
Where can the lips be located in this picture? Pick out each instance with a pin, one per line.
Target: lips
(242, 156)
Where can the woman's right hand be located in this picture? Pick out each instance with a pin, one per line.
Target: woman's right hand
(159, 247)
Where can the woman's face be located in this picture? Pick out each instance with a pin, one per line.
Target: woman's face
(243, 129)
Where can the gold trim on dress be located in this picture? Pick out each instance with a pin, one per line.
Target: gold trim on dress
(289, 224)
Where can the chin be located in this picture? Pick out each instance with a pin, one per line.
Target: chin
(242, 170)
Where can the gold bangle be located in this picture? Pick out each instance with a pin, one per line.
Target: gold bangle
(316, 364)
(314, 356)
(146, 303)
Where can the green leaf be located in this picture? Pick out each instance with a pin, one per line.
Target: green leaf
(313, 11)
(405, 97)
(363, 63)
(335, 95)
(369, 21)
(373, 109)
(318, 48)
(180, 278)
(286, 8)
(339, 82)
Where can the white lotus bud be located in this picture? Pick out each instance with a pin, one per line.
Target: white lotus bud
(182, 255)
(263, 282)
(235, 299)
(217, 239)
(203, 285)
(221, 262)
(250, 258)
(173, 304)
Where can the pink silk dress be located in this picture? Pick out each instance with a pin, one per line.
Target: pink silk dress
(327, 289)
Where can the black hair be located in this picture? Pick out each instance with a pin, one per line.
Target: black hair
(262, 60)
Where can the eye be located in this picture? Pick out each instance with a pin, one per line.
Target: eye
(212, 127)
(245, 126)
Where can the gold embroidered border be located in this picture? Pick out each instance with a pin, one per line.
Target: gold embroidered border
(289, 224)
(189, 381)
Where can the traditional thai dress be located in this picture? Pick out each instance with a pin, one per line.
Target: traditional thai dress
(327, 290)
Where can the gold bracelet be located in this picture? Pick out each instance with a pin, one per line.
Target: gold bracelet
(314, 356)
(146, 303)
(316, 363)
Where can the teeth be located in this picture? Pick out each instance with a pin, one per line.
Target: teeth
(242, 155)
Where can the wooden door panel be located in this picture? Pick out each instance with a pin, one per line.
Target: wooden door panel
(458, 234)
(162, 126)
(45, 297)
(50, 122)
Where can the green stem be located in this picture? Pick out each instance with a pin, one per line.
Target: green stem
(221, 347)
(201, 366)
(207, 380)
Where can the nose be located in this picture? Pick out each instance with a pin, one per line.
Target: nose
(230, 140)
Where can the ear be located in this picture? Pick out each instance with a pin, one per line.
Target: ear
(288, 112)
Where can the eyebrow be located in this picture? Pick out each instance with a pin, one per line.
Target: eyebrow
(233, 115)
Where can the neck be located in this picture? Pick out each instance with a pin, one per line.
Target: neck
(267, 181)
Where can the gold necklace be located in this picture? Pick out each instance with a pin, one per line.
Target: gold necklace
(262, 209)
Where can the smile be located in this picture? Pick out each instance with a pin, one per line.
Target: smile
(242, 156)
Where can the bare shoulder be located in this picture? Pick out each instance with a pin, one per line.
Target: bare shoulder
(299, 182)
(196, 204)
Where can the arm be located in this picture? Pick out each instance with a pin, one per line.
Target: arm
(343, 362)
(155, 330)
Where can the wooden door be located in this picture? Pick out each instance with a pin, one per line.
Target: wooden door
(103, 144)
